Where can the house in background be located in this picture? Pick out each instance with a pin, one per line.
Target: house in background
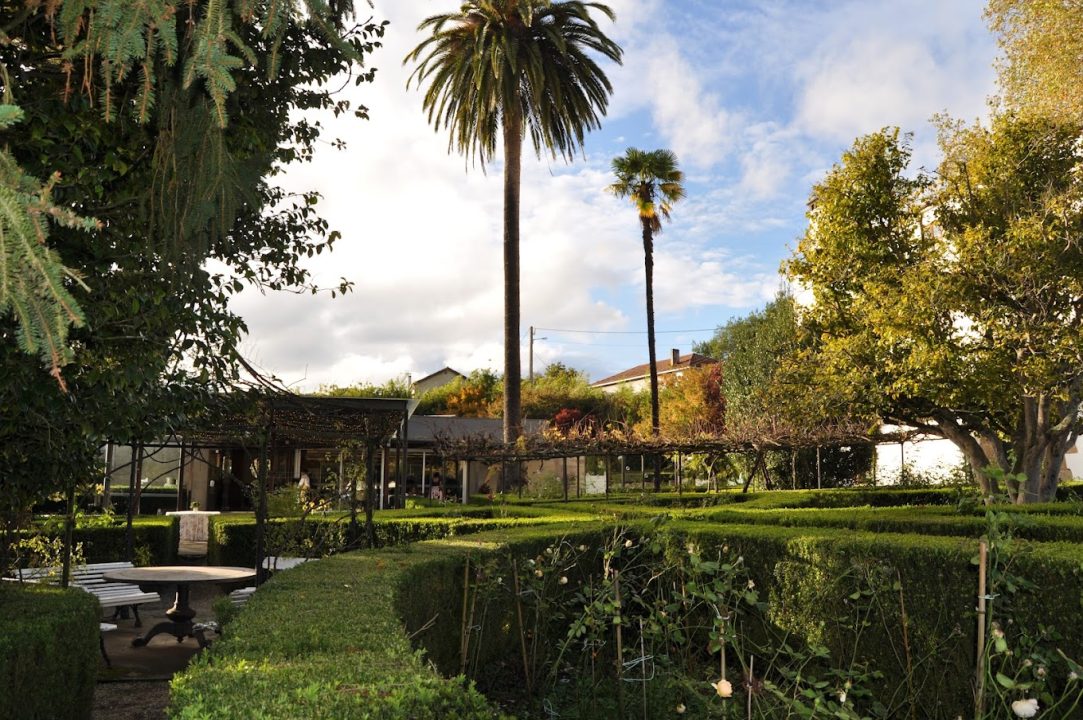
(639, 377)
(437, 379)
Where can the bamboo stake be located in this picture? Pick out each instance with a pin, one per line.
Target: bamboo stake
(465, 628)
(751, 679)
(979, 704)
(643, 664)
(522, 627)
(620, 645)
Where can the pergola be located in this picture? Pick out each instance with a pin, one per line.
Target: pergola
(555, 445)
(262, 419)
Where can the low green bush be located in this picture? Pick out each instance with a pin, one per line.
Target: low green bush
(913, 594)
(919, 520)
(232, 538)
(104, 537)
(324, 640)
(48, 652)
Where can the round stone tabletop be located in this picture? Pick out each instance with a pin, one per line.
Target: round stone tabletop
(178, 574)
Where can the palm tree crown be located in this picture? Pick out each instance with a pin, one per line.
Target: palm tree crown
(653, 182)
(527, 58)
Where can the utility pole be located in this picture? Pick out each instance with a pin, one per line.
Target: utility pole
(531, 353)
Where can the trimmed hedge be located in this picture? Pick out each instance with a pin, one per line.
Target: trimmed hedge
(923, 521)
(107, 544)
(324, 640)
(810, 574)
(48, 652)
(105, 540)
(328, 639)
(232, 538)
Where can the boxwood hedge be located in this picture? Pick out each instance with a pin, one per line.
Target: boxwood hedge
(48, 652)
(232, 538)
(332, 639)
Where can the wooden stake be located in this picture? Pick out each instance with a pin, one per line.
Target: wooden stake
(620, 645)
(522, 627)
(465, 628)
(979, 703)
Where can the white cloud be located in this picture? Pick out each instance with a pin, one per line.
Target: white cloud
(755, 102)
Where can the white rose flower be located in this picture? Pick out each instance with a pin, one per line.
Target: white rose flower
(680, 709)
(723, 688)
(1025, 708)
(563, 580)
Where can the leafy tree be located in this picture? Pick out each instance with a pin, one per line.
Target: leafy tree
(751, 349)
(694, 404)
(398, 387)
(477, 395)
(563, 388)
(653, 182)
(149, 63)
(160, 340)
(955, 305)
(1042, 42)
(767, 391)
(505, 68)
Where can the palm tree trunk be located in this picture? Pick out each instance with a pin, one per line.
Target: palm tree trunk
(648, 273)
(513, 150)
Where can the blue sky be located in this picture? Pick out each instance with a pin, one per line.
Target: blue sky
(758, 100)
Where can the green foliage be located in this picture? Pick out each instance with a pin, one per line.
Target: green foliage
(951, 305)
(397, 387)
(1041, 43)
(98, 540)
(895, 609)
(48, 652)
(345, 656)
(488, 61)
(34, 283)
(477, 395)
(190, 217)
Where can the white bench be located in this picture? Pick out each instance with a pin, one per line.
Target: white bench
(89, 578)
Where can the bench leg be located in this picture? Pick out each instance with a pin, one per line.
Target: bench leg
(135, 611)
(101, 644)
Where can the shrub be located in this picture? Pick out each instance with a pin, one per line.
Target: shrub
(48, 652)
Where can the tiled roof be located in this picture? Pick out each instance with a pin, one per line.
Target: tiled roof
(665, 365)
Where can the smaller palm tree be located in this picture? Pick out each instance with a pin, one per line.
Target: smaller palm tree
(653, 182)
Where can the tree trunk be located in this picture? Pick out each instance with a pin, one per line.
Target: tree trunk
(513, 150)
(648, 275)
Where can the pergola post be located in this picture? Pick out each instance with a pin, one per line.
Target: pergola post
(261, 507)
(565, 483)
(133, 470)
(180, 480)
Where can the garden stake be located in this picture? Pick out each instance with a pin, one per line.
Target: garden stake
(465, 628)
(979, 704)
(751, 665)
(906, 648)
(643, 654)
(620, 647)
(470, 623)
(522, 627)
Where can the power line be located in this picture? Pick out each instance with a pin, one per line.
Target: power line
(625, 332)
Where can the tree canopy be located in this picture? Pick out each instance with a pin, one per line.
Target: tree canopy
(189, 216)
(954, 304)
(1040, 70)
(165, 77)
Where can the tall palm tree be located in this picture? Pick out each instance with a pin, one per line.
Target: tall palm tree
(516, 66)
(653, 182)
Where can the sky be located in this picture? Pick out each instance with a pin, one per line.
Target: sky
(757, 98)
